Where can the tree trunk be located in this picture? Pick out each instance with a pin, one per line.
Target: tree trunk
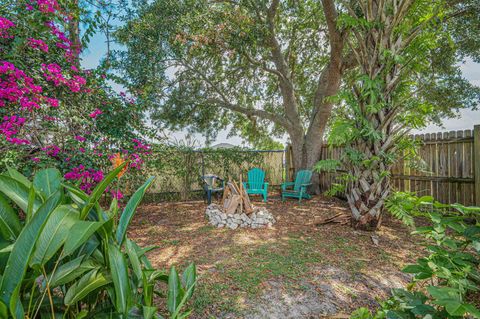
(74, 33)
(367, 200)
(306, 153)
(307, 148)
(370, 188)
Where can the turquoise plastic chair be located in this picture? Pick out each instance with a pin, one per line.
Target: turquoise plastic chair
(299, 190)
(256, 183)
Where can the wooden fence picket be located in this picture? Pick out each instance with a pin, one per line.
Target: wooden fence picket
(451, 173)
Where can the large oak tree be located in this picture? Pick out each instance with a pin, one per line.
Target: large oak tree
(265, 67)
(270, 67)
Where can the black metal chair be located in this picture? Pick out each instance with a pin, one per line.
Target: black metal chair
(212, 184)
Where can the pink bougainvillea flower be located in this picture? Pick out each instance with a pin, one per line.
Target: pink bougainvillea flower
(97, 176)
(88, 177)
(116, 194)
(95, 113)
(17, 88)
(49, 118)
(51, 150)
(136, 161)
(76, 83)
(38, 44)
(52, 102)
(18, 141)
(28, 104)
(139, 145)
(47, 6)
(35, 159)
(53, 72)
(5, 25)
(9, 128)
(80, 138)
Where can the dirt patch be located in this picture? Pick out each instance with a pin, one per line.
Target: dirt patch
(333, 292)
(291, 270)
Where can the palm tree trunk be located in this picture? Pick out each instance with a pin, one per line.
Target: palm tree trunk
(366, 199)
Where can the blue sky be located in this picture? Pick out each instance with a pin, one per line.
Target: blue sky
(466, 118)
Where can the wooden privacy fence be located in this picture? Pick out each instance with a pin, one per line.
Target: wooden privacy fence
(451, 172)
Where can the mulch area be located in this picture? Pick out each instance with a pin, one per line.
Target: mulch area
(183, 236)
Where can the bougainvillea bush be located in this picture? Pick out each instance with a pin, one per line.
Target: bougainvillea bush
(53, 112)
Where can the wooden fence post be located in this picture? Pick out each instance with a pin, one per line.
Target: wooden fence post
(476, 162)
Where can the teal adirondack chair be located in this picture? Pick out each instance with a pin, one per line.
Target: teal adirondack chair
(256, 183)
(299, 190)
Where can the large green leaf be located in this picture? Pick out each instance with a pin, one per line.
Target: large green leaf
(22, 251)
(189, 277)
(16, 306)
(130, 209)
(31, 202)
(175, 292)
(149, 312)
(79, 234)
(141, 253)
(99, 189)
(54, 234)
(85, 285)
(18, 193)
(177, 314)
(134, 260)
(71, 270)
(188, 281)
(113, 210)
(47, 181)
(6, 249)
(76, 194)
(9, 223)
(119, 272)
(13, 173)
(3, 310)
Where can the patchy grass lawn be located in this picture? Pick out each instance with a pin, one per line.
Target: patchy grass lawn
(292, 270)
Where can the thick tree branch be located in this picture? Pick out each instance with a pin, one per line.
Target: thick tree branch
(286, 86)
(330, 78)
(277, 119)
(223, 101)
(263, 66)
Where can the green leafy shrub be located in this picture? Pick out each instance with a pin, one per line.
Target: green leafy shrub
(63, 255)
(447, 280)
(182, 166)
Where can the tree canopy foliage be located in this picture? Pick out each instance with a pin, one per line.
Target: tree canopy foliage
(271, 67)
(267, 68)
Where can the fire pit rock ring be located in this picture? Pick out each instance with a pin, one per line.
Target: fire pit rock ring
(259, 218)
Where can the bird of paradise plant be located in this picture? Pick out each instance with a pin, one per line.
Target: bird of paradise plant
(117, 161)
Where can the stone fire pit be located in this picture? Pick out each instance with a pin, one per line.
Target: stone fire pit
(259, 218)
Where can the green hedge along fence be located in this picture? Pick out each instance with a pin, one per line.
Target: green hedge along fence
(178, 170)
